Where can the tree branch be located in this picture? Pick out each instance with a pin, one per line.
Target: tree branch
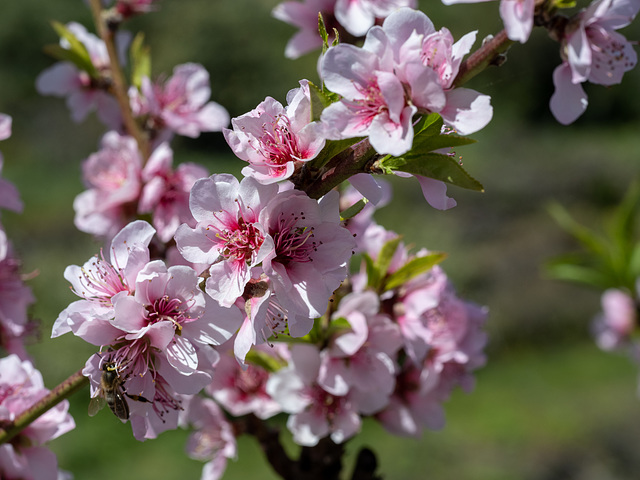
(119, 84)
(65, 389)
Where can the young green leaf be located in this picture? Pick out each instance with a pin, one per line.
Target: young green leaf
(413, 268)
(591, 241)
(270, 363)
(77, 53)
(140, 60)
(353, 210)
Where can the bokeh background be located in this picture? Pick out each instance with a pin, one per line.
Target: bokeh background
(548, 405)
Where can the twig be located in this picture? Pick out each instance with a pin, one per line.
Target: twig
(119, 85)
(55, 396)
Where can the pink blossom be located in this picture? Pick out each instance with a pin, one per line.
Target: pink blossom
(181, 103)
(113, 178)
(264, 316)
(315, 413)
(413, 405)
(428, 62)
(26, 456)
(275, 140)
(613, 328)
(593, 51)
(455, 351)
(304, 15)
(166, 191)
(212, 439)
(362, 360)
(373, 102)
(83, 92)
(243, 391)
(309, 259)
(517, 16)
(228, 235)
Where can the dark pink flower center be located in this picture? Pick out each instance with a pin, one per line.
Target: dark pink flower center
(293, 243)
(168, 309)
(370, 105)
(240, 242)
(278, 143)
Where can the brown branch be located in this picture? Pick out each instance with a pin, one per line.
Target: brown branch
(55, 396)
(356, 159)
(490, 53)
(119, 85)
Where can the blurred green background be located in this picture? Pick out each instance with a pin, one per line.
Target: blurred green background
(549, 404)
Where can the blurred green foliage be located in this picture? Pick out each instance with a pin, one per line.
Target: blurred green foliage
(549, 405)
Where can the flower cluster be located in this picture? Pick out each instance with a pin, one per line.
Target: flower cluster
(404, 67)
(153, 324)
(119, 187)
(277, 255)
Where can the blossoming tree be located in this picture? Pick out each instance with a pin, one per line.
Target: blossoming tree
(216, 303)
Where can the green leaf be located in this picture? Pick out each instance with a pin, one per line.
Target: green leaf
(320, 99)
(564, 3)
(353, 210)
(634, 262)
(429, 125)
(423, 144)
(77, 53)
(338, 325)
(413, 268)
(140, 60)
(579, 274)
(433, 165)
(591, 241)
(323, 33)
(386, 255)
(270, 363)
(336, 37)
(373, 276)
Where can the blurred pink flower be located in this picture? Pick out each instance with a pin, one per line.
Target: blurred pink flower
(314, 412)
(358, 16)
(83, 92)
(213, 438)
(165, 193)
(113, 176)
(304, 15)
(243, 390)
(15, 298)
(613, 328)
(180, 104)
(25, 456)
